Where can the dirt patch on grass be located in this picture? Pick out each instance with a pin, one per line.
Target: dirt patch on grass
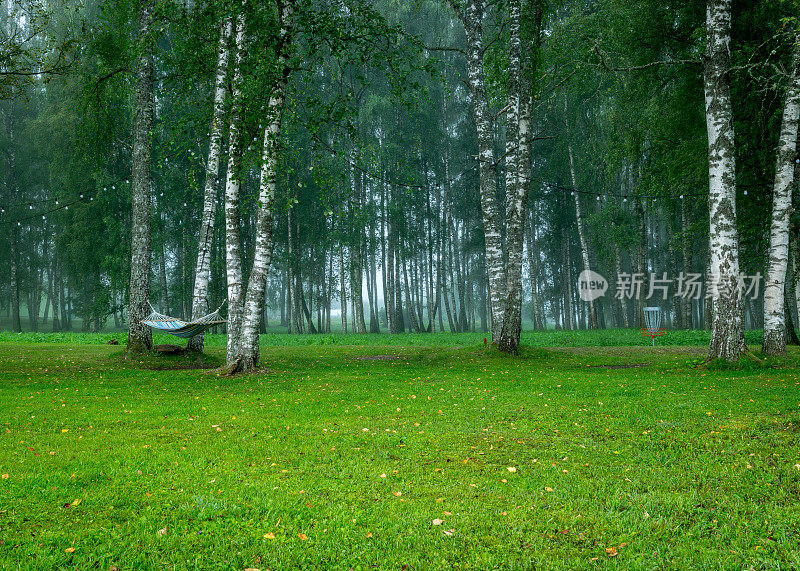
(181, 366)
(628, 366)
(634, 350)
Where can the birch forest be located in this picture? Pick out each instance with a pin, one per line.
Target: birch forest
(375, 166)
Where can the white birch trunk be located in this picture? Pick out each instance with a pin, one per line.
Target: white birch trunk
(140, 337)
(472, 19)
(233, 254)
(581, 234)
(518, 163)
(774, 322)
(256, 287)
(203, 267)
(727, 332)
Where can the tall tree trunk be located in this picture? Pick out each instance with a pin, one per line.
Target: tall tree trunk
(256, 286)
(686, 302)
(342, 288)
(622, 305)
(233, 182)
(774, 292)
(641, 257)
(162, 265)
(533, 271)
(566, 294)
(56, 296)
(727, 334)
(203, 268)
(140, 336)
(16, 322)
(471, 16)
(581, 234)
(517, 126)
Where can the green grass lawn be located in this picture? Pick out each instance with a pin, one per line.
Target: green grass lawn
(378, 455)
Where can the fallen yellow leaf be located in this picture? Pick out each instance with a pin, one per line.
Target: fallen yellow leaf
(269, 535)
(611, 551)
(437, 521)
(512, 469)
(4, 476)
(302, 536)
(548, 489)
(369, 534)
(76, 502)
(69, 550)
(398, 494)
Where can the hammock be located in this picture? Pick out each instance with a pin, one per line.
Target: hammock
(180, 328)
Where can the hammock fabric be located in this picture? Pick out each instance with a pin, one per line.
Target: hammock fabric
(180, 328)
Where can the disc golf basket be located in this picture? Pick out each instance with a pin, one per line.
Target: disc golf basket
(652, 322)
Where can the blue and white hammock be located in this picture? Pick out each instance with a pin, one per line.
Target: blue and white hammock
(180, 328)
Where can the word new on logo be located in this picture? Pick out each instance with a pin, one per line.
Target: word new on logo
(591, 285)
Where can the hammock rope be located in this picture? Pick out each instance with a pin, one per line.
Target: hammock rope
(179, 327)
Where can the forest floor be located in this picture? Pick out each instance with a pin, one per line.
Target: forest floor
(379, 455)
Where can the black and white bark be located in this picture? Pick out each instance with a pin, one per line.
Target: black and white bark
(727, 331)
(140, 337)
(774, 293)
(471, 16)
(233, 246)
(581, 233)
(248, 357)
(518, 165)
(203, 267)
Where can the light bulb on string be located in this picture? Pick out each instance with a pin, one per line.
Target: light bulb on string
(745, 193)
(81, 195)
(681, 197)
(598, 197)
(56, 202)
(30, 207)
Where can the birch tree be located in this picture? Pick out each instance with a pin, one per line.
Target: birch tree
(203, 267)
(233, 248)
(581, 232)
(140, 337)
(248, 347)
(518, 156)
(727, 333)
(774, 293)
(471, 16)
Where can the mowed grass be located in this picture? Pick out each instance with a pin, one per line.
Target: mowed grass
(346, 456)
